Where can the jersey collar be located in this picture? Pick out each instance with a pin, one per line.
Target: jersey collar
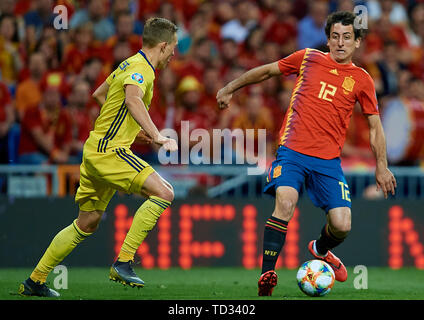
(144, 56)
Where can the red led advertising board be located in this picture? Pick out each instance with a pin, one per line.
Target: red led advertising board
(208, 232)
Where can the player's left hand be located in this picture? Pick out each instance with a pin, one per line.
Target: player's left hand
(143, 137)
(386, 181)
(223, 98)
(167, 143)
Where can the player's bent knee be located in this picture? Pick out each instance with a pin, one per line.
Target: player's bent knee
(284, 209)
(166, 194)
(341, 229)
(89, 221)
(340, 221)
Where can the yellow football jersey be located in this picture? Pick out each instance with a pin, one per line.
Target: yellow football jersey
(115, 127)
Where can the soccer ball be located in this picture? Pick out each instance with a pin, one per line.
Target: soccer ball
(315, 278)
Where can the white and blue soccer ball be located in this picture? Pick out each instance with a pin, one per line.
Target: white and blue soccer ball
(315, 278)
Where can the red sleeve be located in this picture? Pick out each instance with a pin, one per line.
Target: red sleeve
(32, 119)
(367, 97)
(4, 95)
(291, 64)
(66, 131)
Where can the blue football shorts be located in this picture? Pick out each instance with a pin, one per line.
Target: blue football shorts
(324, 179)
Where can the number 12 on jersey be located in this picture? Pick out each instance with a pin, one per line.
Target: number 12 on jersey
(327, 90)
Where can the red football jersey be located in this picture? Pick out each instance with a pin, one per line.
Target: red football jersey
(322, 102)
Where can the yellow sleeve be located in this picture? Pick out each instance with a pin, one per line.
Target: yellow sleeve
(140, 78)
(110, 78)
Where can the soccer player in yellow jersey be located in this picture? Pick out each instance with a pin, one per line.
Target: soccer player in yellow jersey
(109, 165)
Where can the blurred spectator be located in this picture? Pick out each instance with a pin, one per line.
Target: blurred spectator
(270, 52)
(283, 100)
(385, 71)
(311, 28)
(384, 31)
(10, 61)
(10, 8)
(7, 118)
(416, 25)
(416, 89)
(207, 11)
(168, 10)
(147, 8)
(195, 62)
(229, 54)
(189, 111)
(255, 115)
(81, 49)
(78, 109)
(124, 33)
(40, 16)
(162, 110)
(271, 90)
(252, 47)
(28, 92)
(212, 82)
(246, 16)
(126, 7)
(189, 93)
(396, 11)
(417, 39)
(356, 150)
(402, 120)
(201, 25)
(188, 8)
(94, 72)
(120, 52)
(7, 7)
(95, 12)
(224, 12)
(226, 116)
(281, 27)
(57, 80)
(46, 132)
(346, 5)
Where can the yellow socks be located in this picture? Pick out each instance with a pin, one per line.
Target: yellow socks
(67, 239)
(62, 244)
(144, 220)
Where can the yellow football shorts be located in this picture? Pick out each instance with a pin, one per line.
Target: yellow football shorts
(102, 174)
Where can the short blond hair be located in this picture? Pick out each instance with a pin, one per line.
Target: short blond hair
(157, 30)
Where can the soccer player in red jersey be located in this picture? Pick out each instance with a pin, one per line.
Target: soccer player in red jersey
(311, 138)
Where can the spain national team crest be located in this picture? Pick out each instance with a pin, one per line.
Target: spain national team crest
(277, 172)
(348, 84)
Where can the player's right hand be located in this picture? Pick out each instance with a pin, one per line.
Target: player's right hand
(385, 181)
(167, 143)
(223, 98)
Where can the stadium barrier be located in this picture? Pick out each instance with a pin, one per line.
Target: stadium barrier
(217, 181)
(212, 232)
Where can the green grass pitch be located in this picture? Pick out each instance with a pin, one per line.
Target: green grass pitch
(217, 284)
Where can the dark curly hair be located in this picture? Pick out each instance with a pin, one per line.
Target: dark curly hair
(345, 18)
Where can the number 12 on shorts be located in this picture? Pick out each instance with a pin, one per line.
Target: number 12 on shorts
(345, 191)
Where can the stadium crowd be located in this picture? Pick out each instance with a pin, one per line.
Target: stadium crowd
(48, 74)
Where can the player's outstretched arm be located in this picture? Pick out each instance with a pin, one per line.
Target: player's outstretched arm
(100, 94)
(136, 107)
(384, 177)
(252, 76)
